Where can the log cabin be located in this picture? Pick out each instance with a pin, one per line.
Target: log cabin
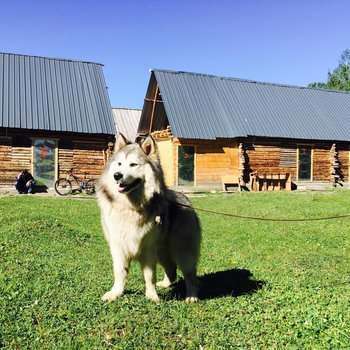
(209, 127)
(55, 114)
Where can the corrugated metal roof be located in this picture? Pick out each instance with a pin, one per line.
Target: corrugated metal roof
(203, 106)
(127, 121)
(53, 94)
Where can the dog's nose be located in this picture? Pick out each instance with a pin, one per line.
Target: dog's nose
(118, 176)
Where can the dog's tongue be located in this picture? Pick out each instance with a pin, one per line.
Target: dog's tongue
(122, 188)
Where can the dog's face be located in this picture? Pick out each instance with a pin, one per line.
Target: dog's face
(130, 165)
(128, 168)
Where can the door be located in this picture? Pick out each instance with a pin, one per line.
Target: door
(304, 172)
(185, 165)
(44, 162)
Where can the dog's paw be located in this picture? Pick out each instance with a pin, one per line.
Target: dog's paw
(191, 300)
(110, 296)
(153, 297)
(163, 284)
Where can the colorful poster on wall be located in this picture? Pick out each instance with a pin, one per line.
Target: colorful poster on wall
(44, 162)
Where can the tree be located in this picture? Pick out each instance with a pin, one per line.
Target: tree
(339, 79)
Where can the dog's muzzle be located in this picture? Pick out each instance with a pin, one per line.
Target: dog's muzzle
(118, 176)
(125, 187)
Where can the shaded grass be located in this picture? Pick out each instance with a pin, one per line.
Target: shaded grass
(265, 285)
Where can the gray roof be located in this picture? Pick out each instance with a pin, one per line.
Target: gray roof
(53, 94)
(203, 106)
(127, 121)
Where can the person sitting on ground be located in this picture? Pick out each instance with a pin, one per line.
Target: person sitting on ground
(25, 182)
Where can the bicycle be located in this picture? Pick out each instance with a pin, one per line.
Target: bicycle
(64, 186)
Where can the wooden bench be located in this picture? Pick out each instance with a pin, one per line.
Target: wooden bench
(270, 182)
(230, 181)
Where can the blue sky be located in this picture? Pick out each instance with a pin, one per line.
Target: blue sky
(281, 41)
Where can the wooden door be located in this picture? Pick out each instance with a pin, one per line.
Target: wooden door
(305, 162)
(186, 165)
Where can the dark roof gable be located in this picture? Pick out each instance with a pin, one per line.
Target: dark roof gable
(204, 106)
(53, 94)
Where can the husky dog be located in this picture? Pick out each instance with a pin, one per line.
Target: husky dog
(145, 221)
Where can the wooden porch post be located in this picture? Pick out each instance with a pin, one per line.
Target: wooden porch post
(153, 109)
(241, 164)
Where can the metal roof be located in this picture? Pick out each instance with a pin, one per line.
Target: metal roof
(53, 94)
(201, 106)
(127, 121)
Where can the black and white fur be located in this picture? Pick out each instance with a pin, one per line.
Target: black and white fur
(145, 221)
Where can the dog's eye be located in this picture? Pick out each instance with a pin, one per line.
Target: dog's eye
(119, 164)
(133, 164)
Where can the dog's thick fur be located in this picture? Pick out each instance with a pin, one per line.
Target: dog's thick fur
(145, 221)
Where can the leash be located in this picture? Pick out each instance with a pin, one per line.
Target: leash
(237, 216)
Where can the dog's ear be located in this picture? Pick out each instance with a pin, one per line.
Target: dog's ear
(149, 146)
(120, 142)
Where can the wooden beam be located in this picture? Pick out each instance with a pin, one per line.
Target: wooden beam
(153, 109)
(150, 100)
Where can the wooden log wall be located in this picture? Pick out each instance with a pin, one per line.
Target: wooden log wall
(343, 156)
(83, 157)
(84, 153)
(88, 158)
(321, 162)
(266, 158)
(13, 159)
(281, 157)
(216, 158)
(213, 159)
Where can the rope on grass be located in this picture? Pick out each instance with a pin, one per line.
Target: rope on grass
(237, 216)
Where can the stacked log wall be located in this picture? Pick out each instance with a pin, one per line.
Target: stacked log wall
(88, 158)
(84, 153)
(321, 163)
(220, 157)
(267, 159)
(282, 157)
(14, 157)
(343, 156)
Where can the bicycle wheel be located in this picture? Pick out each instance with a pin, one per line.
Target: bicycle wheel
(90, 186)
(63, 187)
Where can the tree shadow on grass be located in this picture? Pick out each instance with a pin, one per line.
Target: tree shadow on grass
(233, 283)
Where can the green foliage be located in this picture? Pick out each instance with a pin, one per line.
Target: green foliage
(265, 285)
(339, 79)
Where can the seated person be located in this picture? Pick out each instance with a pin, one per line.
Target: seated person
(25, 182)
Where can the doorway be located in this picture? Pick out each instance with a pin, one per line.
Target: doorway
(44, 162)
(305, 162)
(185, 163)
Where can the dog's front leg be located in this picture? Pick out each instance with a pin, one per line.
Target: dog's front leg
(120, 268)
(148, 265)
(149, 274)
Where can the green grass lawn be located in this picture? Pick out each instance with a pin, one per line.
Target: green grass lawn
(265, 285)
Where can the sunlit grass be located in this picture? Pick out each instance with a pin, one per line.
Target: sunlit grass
(265, 285)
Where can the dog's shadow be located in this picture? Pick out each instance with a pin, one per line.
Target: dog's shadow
(233, 283)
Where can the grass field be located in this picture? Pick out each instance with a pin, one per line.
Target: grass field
(265, 285)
